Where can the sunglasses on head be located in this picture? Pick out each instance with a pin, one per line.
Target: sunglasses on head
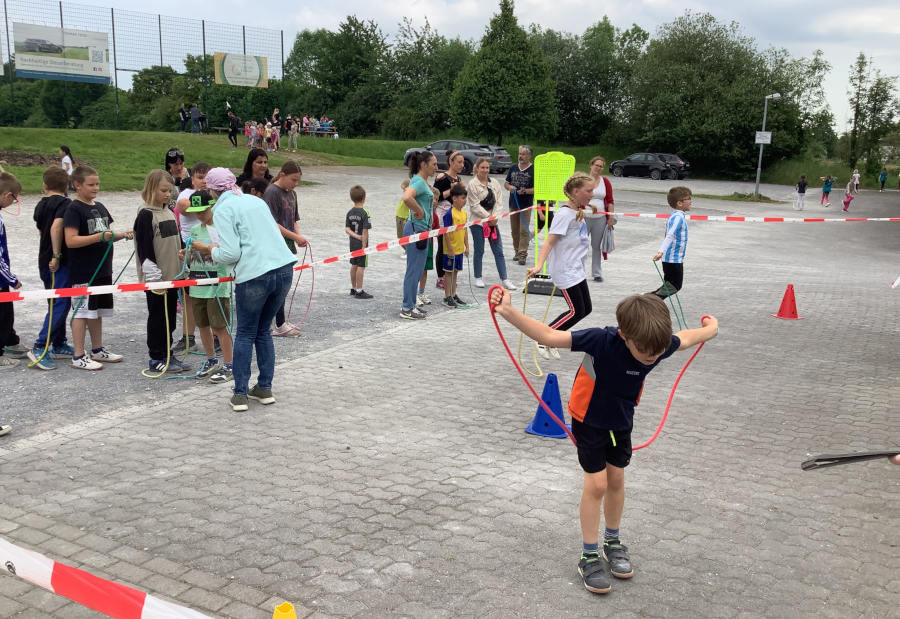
(175, 154)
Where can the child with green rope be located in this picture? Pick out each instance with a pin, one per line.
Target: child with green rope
(90, 239)
(674, 245)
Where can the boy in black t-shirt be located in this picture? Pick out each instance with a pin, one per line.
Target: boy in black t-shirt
(607, 387)
(53, 266)
(87, 233)
(357, 227)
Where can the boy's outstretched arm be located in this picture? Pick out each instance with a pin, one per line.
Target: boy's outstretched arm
(538, 331)
(692, 337)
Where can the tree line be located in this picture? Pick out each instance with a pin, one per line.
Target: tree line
(696, 87)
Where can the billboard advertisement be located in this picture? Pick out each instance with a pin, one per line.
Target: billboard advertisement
(240, 70)
(46, 52)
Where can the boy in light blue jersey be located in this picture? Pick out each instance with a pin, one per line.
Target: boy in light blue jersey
(674, 245)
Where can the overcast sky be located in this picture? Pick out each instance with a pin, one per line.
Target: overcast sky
(841, 29)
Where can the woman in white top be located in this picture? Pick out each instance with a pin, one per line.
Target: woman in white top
(484, 200)
(68, 163)
(564, 250)
(600, 221)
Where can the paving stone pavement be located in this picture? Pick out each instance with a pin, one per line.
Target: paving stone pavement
(393, 477)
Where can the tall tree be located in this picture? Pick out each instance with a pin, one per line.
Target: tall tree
(698, 90)
(422, 69)
(505, 87)
(874, 104)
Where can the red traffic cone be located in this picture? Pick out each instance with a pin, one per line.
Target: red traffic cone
(788, 309)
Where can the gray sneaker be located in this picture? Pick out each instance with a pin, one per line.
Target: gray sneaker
(239, 402)
(263, 396)
(617, 555)
(593, 573)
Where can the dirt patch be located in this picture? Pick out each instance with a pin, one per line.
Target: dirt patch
(21, 159)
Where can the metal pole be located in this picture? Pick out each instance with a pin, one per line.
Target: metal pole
(112, 16)
(203, 25)
(12, 99)
(65, 83)
(759, 163)
(282, 71)
(159, 21)
(244, 37)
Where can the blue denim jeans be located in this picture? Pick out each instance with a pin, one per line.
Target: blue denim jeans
(256, 302)
(61, 309)
(478, 252)
(415, 266)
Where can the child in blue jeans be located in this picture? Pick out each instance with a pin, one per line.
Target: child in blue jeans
(53, 266)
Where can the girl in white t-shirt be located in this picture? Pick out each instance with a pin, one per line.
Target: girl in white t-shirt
(564, 250)
(68, 163)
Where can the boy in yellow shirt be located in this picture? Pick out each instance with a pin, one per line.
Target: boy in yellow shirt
(456, 244)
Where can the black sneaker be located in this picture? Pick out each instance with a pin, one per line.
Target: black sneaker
(617, 555)
(362, 294)
(353, 292)
(449, 302)
(460, 301)
(593, 573)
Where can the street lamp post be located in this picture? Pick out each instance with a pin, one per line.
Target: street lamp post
(759, 163)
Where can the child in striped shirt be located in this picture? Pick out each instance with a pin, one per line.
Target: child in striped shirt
(674, 245)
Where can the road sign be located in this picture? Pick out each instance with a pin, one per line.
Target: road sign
(763, 137)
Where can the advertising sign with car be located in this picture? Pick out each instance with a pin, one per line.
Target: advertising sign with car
(45, 52)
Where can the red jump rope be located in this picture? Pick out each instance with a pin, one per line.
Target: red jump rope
(560, 422)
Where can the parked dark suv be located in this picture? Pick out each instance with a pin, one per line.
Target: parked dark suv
(681, 167)
(471, 151)
(642, 164)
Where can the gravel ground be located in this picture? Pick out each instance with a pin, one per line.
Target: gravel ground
(44, 399)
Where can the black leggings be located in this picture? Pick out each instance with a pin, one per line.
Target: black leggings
(579, 299)
(673, 272)
(232, 135)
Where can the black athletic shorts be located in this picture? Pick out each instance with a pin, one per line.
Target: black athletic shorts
(595, 447)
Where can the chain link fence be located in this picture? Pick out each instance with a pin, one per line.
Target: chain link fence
(141, 40)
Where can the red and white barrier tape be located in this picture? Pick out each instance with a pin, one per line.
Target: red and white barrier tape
(110, 598)
(20, 295)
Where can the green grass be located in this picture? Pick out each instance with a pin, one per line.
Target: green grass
(734, 197)
(123, 158)
(788, 171)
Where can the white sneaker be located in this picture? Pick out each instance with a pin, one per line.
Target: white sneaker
(479, 283)
(104, 356)
(509, 285)
(423, 299)
(86, 363)
(543, 350)
(554, 352)
(8, 362)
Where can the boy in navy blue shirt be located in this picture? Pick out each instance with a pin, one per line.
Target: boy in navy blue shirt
(607, 387)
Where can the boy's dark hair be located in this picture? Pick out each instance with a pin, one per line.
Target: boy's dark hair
(357, 194)
(201, 167)
(458, 189)
(803, 177)
(644, 319)
(677, 194)
(10, 183)
(56, 179)
(82, 172)
(290, 167)
(255, 184)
